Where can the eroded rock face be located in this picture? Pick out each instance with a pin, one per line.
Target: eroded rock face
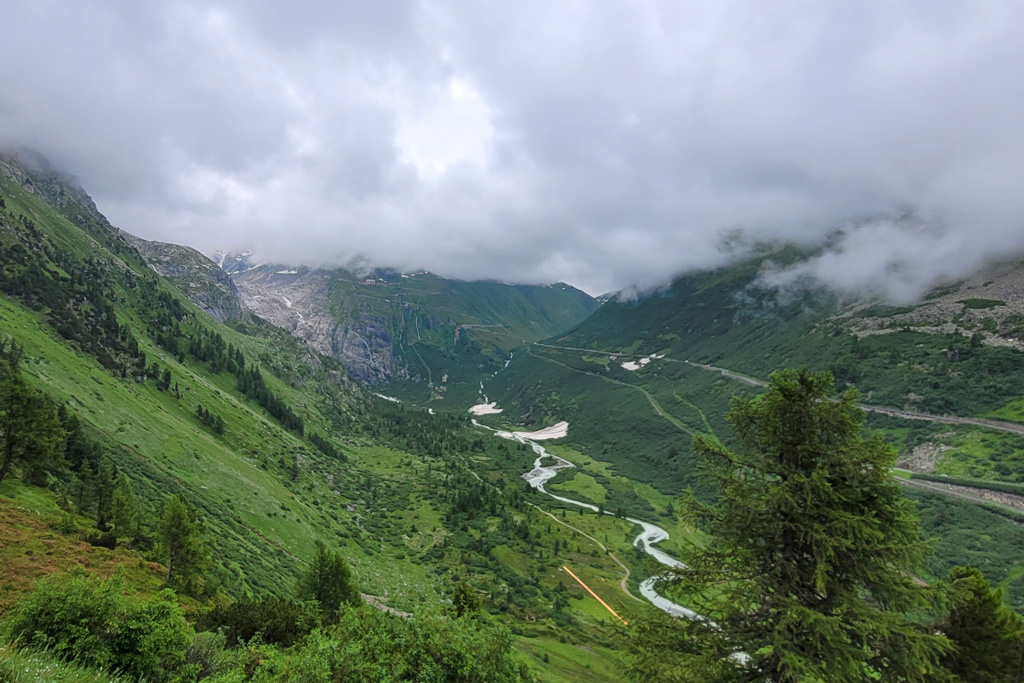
(199, 278)
(296, 299)
(365, 349)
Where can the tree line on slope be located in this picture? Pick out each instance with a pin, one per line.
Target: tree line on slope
(79, 297)
(48, 446)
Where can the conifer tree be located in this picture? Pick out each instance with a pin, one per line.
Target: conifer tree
(465, 601)
(31, 434)
(183, 543)
(807, 575)
(103, 487)
(329, 581)
(985, 633)
(124, 511)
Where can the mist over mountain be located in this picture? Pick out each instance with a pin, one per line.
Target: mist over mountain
(230, 429)
(604, 146)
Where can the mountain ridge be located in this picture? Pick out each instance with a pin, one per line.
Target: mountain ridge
(375, 321)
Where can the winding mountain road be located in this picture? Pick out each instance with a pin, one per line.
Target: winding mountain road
(999, 425)
(986, 423)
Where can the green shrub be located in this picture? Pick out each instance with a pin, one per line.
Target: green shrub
(205, 657)
(277, 621)
(92, 622)
(981, 303)
(368, 645)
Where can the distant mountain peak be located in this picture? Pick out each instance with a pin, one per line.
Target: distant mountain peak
(233, 262)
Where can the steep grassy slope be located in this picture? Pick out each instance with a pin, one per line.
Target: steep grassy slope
(235, 477)
(134, 359)
(447, 335)
(34, 544)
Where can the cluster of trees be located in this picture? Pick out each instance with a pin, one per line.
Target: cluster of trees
(808, 572)
(251, 383)
(165, 317)
(209, 347)
(416, 431)
(76, 294)
(210, 419)
(31, 434)
(326, 447)
(80, 307)
(327, 633)
(49, 446)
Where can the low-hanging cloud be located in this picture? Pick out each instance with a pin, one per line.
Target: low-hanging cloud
(606, 144)
(894, 258)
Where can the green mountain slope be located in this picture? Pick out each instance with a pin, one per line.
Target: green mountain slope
(635, 382)
(277, 447)
(949, 354)
(414, 335)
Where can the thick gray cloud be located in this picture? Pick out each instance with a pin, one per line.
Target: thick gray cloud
(603, 143)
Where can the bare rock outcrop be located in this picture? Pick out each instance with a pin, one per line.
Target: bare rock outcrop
(199, 278)
(296, 299)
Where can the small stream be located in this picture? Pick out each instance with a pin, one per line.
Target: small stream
(648, 538)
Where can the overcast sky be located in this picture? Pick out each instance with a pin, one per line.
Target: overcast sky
(605, 144)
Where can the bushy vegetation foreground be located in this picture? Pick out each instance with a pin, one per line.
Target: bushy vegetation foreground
(806, 573)
(100, 626)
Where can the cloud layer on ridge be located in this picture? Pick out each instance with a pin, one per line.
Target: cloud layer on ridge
(605, 144)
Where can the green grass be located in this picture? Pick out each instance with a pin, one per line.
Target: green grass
(18, 665)
(582, 485)
(570, 662)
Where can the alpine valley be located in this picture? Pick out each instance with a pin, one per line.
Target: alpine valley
(515, 451)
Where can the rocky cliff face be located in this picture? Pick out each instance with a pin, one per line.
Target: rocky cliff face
(385, 325)
(199, 278)
(297, 300)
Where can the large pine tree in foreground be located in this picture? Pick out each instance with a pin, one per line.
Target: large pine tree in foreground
(807, 571)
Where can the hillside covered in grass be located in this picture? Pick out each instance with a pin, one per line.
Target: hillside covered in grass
(271, 448)
(642, 376)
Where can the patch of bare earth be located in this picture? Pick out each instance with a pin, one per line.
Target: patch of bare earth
(924, 458)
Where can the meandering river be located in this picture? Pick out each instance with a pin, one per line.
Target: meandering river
(648, 538)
